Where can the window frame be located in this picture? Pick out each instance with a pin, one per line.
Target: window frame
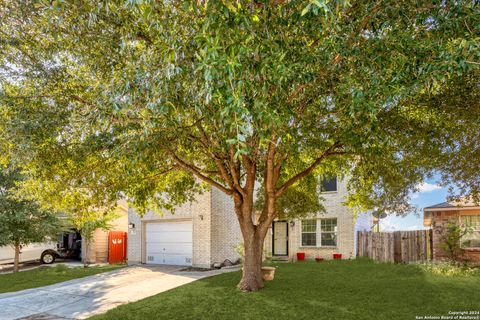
(308, 232)
(318, 233)
(334, 232)
(326, 178)
(476, 229)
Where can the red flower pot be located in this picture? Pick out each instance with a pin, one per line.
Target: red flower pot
(300, 256)
(337, 256)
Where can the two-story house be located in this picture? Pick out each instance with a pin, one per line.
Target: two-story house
(206, 231)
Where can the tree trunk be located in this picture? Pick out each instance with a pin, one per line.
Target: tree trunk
(252, 264)
(253, 238)
(16, 259)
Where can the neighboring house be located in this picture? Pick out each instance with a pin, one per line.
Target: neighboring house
(98, 246)
(70, 244)
(462, 212)
(206, 231)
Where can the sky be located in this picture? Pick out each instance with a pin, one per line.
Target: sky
(430, 193)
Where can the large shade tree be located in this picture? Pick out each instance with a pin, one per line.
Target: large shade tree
(158, 99)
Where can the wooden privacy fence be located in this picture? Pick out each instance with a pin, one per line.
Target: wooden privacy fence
(398, 246)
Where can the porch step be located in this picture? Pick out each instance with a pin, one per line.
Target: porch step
(280, 258)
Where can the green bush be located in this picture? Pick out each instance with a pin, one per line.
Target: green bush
(451, 238)
(61, 268)
(450, 270)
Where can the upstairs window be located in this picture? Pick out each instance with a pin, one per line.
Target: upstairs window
(328, 184)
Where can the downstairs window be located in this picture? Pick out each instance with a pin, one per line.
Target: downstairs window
(472, 239)
(319, 232)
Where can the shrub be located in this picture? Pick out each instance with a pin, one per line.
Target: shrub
(240, 249)
(451, 240)
(450, 270)
(60, 268)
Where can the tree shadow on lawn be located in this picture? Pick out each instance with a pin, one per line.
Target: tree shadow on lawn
(329, 290)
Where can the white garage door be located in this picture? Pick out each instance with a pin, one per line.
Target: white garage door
(169, 243)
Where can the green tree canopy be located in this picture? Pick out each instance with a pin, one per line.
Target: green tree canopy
(22, 222)
(106, 98)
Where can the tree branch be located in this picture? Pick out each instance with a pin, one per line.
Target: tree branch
(218, 161)
(197, 171)
(307, 171)
(235, 171)
(269, 211)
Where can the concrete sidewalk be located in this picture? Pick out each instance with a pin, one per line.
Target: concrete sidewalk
(85, 297)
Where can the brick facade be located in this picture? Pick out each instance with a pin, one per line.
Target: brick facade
(225, 229)
(215, 231)
(333, 203)
(438, 220)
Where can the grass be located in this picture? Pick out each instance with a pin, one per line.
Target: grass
(357, 289)
(44, 276)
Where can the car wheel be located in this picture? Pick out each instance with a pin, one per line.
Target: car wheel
(47, 257)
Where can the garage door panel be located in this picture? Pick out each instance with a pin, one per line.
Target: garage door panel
(169, 226)
(179, 260)
(169, 236)
(170, 248)
(169, 243)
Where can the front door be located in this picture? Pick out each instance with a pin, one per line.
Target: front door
(280, 238)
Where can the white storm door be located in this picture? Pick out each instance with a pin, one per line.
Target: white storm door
(280, 238)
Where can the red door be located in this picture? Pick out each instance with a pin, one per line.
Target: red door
(117, 247)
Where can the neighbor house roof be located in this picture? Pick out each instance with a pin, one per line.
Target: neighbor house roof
(457, 205)
(462, 204)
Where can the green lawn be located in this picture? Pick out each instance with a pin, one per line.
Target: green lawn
(328, 290)
(44, 276)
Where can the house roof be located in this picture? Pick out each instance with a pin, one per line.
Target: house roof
(441, 205)
(461, 204)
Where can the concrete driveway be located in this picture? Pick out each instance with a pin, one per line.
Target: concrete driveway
(85, 297)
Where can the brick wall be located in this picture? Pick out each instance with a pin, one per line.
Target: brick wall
(333, 203)
(225, 230)
(440, 220)
(134, 248)
(216, 231)
(198, 212)
(202, 220)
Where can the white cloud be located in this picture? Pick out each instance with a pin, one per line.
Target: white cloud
(427, 187)
(387, 225)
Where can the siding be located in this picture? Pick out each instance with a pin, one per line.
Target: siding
(98, 246)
